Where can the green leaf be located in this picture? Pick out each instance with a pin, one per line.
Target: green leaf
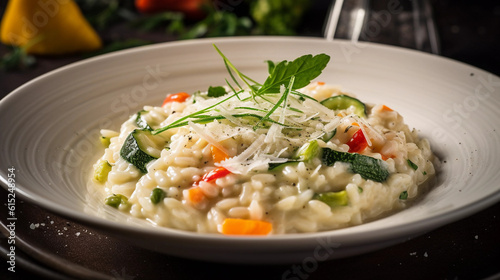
(216, 91)
(304, 69)
(270, 66)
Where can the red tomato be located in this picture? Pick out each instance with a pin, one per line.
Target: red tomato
(176, 97)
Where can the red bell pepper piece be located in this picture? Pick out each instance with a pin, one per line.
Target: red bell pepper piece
(215, 174)
(358, 142)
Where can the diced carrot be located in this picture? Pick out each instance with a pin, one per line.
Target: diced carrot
(176, 97)
(195, 194)
(217, 154)
(232, 226)
(320, 83)
(355, 124)
(385, 157)
(385, 108)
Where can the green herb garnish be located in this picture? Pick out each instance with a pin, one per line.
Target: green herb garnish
(216, 91)
(412, 165)
(284, 79)
(304, 69)
(403, 195)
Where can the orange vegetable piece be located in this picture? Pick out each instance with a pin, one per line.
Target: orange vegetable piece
(176, 97)
(320, 83)
(195, 194)
(217, 154)
(385, 108)
(232, 226)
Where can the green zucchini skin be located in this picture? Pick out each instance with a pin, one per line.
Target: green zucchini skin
(333, 199)
(342, 102)
(369, 168)
(140, 122)
(133, 150)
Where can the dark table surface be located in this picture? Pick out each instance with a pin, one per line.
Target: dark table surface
(53, 247)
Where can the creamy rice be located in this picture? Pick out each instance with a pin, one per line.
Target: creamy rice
(285, 196)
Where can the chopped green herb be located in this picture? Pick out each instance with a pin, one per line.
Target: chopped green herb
(216, 91)
(403, 195)
(412, 165)
(360, 189)
(424, 173)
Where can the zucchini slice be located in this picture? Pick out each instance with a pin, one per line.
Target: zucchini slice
(141, 122)
(308, 151)
(369, 168)
(342, 102)
(333, 199)
(141, 147)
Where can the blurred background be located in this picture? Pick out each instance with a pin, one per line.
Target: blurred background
(468, 31)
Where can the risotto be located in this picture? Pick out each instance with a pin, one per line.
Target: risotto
(290, 155)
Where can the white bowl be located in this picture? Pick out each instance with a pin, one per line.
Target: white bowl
(50, 136)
